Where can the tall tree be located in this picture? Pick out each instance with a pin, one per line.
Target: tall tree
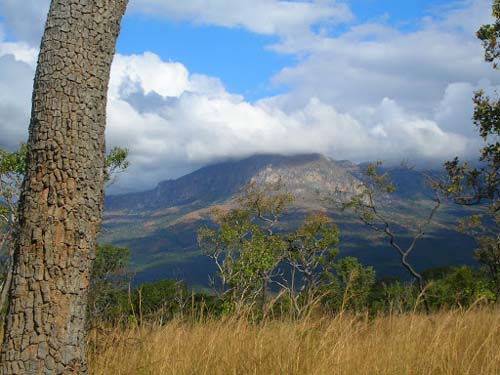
(480, 184)
(12, 169)
(61, 201)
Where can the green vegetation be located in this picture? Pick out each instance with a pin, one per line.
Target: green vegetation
(468, 185)
(11, 175)
(345, 286)
(108, 283)
(266, 270)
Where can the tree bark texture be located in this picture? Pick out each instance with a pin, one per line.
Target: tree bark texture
(62, 196)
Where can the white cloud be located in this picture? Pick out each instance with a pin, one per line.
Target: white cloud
(372, 61)
(372, 92)
(259, 16)
(150, 73)
(197, 124)
(430, 72)
(17, 66)
(21, 52)
(25, 20)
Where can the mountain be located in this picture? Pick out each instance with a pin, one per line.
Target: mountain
(304, 176)
(160, 225)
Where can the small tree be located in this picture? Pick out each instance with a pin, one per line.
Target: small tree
(248, 250)
(459, 287)
(310, 253)
(351, 285)
(483, 227)
(160, 300)
(390, 296)
(245, 248)
(368, 210)
(108, 282)
(116, 162)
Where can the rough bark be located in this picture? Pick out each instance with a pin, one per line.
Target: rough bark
(61, 201)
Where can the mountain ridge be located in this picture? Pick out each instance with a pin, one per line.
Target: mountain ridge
(220, 181)
(160, 225)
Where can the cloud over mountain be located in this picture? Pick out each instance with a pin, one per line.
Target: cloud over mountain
(192, 120)
(369, 92)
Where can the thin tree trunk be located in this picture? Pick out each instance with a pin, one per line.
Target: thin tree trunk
(6, 284)
(5, 289)
(264, 297)
(8, 277)
(61, 201)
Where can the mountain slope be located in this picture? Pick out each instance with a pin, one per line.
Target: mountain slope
(160, 225)
(311, 174)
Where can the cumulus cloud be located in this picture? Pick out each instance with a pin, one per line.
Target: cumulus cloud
(372, 92)
(197, 122)
(373, 61)
(149, 73)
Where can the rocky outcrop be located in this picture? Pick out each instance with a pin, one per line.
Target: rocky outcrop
(313, 177)
(309, 176)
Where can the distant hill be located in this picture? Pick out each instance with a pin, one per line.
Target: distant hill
(160, 225)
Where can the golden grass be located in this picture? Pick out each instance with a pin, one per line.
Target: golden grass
(451, 343)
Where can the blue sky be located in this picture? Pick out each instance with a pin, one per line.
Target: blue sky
(241, 58)
(238, 57)
(402, 13)
(196, 82)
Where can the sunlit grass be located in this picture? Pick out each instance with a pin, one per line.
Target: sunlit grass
(454, 343)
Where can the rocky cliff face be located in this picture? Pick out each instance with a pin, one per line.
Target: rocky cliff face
(307, 177)
(312, 178)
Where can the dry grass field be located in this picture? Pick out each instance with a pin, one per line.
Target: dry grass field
(452, 343)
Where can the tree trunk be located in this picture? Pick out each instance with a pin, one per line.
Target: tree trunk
(61, 201)
(264, 296)
(6, 284)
